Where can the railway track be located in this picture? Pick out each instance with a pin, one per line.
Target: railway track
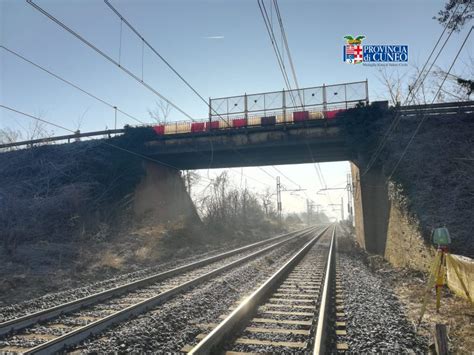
(290, 312)
(53, 329)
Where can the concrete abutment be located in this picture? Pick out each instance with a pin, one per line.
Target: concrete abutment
(372, 209)
(383, 226)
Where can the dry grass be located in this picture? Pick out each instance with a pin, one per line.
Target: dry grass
(110, 260)
(455, 312)
(147, 243)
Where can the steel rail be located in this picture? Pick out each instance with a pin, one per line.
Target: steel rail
(79, 334)
(33, 318)
(324, 308)
(227, 328)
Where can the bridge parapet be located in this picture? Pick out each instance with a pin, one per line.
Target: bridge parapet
(443, 110)
(319, 98)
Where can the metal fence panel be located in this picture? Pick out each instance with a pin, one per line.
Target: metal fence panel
(342, 95)
(313, 96)
(256, 102)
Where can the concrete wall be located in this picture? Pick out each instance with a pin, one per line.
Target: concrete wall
(162, 196)
(383, 227)
(372, 209)
(293, 144)
(405, 245)
(358, 214)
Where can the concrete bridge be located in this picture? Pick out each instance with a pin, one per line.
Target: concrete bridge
(310, 141)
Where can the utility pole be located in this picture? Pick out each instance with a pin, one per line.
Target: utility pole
(115, 118)
(210, 114)
(279, 190)
(278, 198)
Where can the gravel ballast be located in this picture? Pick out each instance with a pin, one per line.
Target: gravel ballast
(376, 320)
(169, 327)
(55, 299)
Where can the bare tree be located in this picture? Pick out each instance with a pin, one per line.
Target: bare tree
(395, 85)
(454, 88)
(8, 135)
(456, 14)
(268, 202)
(421, 88)
(161, 111)
(80, 120)
(226, 206)
(190, 178)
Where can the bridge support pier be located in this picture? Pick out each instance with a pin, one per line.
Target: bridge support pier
(372, 209)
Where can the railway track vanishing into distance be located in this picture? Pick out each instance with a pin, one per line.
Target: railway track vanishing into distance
(68, 324)
(288, 312)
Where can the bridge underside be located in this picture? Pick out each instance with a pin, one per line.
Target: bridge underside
(256, 146)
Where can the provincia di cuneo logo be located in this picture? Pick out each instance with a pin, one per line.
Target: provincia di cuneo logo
(354, 52)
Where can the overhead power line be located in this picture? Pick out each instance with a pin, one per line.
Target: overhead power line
(276, 49)
(71, 84)
(103, 54)
(37, 118)
(106, 56)
(285, 40)
(286, 177)
(153, 49)
(115, 146)
(101, 141)
(413, 90)
(433, 50)
(168, 64)
(249, 177)
(319, 172)
(423, 119)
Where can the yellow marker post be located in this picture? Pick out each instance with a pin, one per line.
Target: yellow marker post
(440, 277)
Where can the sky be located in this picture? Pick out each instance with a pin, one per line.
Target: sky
(220, 47)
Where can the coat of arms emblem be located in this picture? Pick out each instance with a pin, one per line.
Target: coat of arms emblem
(353, 51)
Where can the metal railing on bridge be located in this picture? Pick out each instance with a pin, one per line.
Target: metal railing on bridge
(447, 110)
(76, 137)
(317, 98)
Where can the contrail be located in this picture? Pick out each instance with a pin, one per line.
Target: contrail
(213, 37)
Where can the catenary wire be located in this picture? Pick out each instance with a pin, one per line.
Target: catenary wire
(290, 59)
(113, 145)
(271, 34)
(286, 177)
(423, 119)
(70, 83)
(168, 64)
(144, 41)
(106, 56)
(61, 24)
(411, 92)
(101, 142)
